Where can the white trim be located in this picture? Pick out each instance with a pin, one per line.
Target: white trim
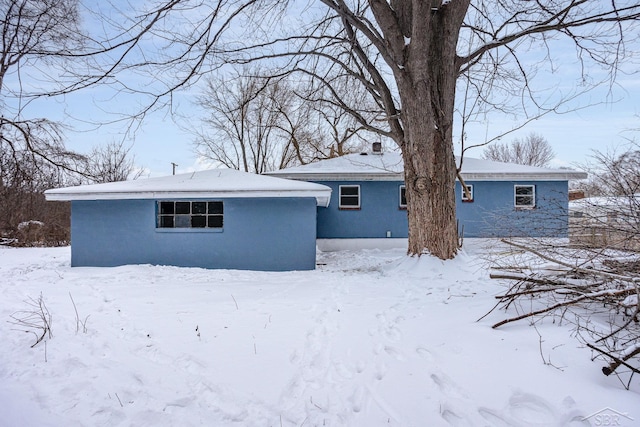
(464, 194)
(508, 176)
(322, 197)
(340, 205)
(400, 187)
(472, 176)
(389, 167)
(213, 183)
(316, 176)
(515, 196)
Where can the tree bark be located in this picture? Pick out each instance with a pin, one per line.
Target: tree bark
(426, 83)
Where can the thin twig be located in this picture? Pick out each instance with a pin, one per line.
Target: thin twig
(77, 316)
(121, 405)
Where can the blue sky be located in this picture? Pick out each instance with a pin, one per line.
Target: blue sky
(162, 139)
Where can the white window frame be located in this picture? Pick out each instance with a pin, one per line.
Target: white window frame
(340, 196)
(400, 204)
(532, 196)
(464, 195)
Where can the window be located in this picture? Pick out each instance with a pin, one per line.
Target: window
(349, 197)
(403, 197)
(525, 196)
(200, 214)
(464, 194)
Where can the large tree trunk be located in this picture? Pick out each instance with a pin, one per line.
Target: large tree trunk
(429, 170)
(427, 89)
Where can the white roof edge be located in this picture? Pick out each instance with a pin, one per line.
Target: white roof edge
(322, 196)
(387, 176)
(550, 176)
(471, 176)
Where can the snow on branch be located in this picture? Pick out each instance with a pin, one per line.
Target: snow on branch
(596, 291)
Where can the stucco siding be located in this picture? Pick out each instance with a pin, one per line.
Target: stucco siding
(272, 234)
(491, 213)
(379, 212)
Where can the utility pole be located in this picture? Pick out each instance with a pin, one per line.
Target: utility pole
(174, 167)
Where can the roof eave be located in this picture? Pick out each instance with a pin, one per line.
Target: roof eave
(388, 176)
(519, 176)
(322, 196)
(470, 176)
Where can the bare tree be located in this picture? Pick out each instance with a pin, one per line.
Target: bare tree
(615, 172)
(407, 55)
(25, 217)
(36, 35)
(533, 150)
(241, 127)
(610, 214)
(259, 124)
(110, 163)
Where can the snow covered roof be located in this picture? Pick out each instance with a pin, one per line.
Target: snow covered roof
(217, 183)
(389, 167)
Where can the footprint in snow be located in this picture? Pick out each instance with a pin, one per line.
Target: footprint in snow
(529, 408)
(180, 403)
(424, 353)
(343, 370)
(381, 371)
(392, 333)
(494, 418)
(446, 386)
(358, 399)
(394, 352)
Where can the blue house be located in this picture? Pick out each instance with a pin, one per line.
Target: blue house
(224, 218)
(368, 204)
(219, 218)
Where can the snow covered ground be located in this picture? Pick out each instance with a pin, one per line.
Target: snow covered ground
(371, 338)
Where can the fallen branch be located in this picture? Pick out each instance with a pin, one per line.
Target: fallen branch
(583, 287)
(588, 271)
(617, 362)
(535, 313)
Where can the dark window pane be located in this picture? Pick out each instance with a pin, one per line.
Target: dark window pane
(215, 208)
(215, 221)
(349, 201)
(183, 221)
(525, 195)
(198, 221)
(166, 208)
(166, 221)
(199, 208)
(464, 194)
(349, 191)
(183, 207)
(184, 214)
(524, 200)
(524, 191)
(403, 196)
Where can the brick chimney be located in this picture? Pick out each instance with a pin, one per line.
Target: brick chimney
(376, 148)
